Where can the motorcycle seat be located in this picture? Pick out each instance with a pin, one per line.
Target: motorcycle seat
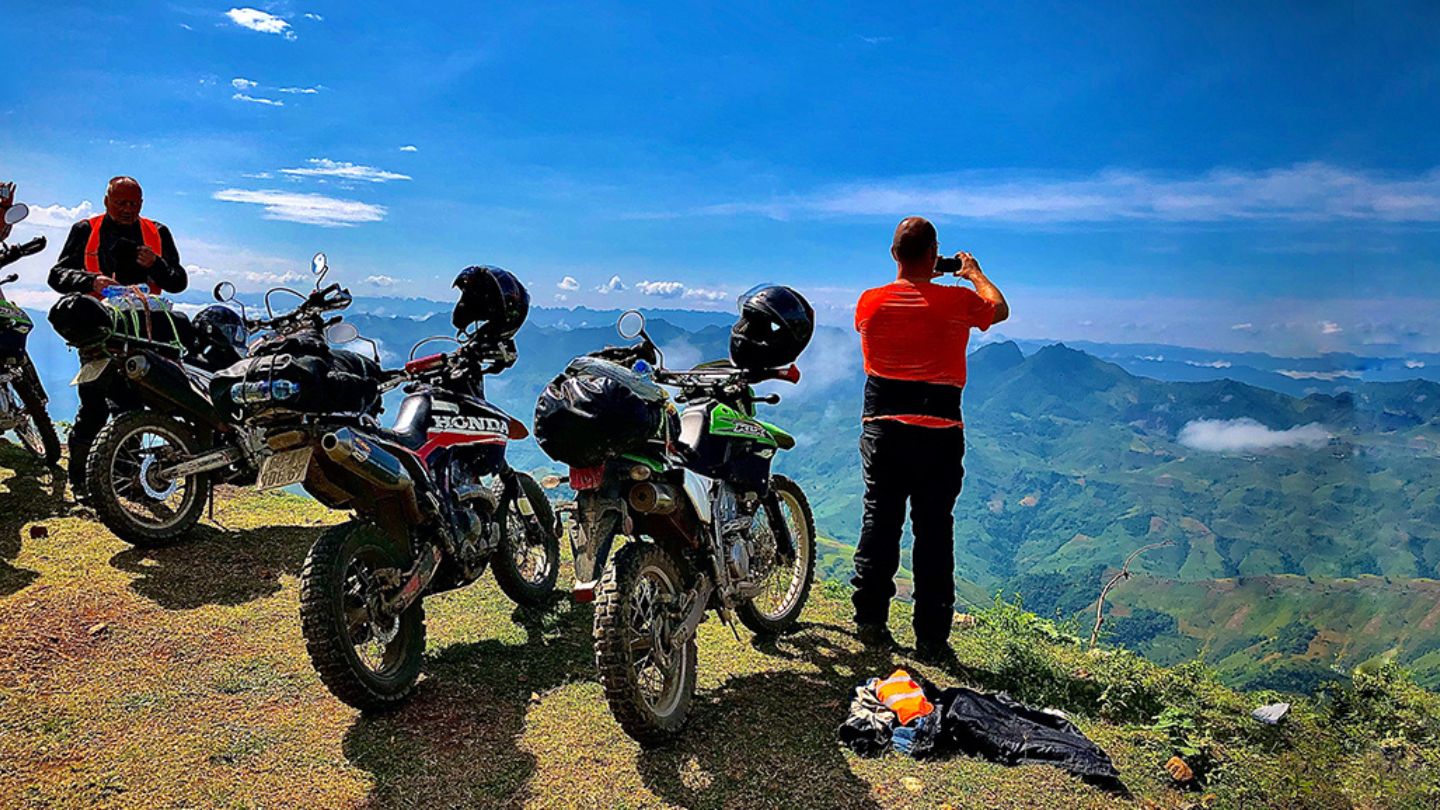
(412, 423)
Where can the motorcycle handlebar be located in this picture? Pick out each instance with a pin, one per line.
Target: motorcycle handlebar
(21, 250)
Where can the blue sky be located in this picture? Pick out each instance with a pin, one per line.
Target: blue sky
(1245, 176)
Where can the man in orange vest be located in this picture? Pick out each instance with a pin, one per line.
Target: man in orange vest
(117, 247)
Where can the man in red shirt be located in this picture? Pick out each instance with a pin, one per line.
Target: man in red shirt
(913, 333)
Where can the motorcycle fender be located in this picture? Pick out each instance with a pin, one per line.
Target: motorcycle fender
(91, 371)
(697, 489)
(597, 521)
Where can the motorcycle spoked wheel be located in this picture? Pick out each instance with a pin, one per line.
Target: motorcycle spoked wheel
(649, 682)
(128, 498)
(35, 429)
(527, 562)
(366, 659)
(784, 588)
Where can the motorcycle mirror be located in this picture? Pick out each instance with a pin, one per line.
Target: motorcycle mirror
(319, 266)
(341, 333)
(224, 292)
(631, 324)
(16, 212)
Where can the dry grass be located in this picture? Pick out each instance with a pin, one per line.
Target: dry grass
(178, 677)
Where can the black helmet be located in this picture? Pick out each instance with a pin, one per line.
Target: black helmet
(492, 297)
(221, 325)
(775, 325)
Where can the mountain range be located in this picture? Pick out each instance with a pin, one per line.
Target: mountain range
(1302, 515)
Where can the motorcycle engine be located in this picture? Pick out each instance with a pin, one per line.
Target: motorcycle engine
(734, 515)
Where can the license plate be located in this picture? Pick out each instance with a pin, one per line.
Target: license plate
(91, 371)
(582, 478)
(284, 469)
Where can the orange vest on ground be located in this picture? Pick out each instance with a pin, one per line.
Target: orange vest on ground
(902, 695)
(148, 232)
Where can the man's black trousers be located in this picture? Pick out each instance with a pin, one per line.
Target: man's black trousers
(98, 400)
(923, 466)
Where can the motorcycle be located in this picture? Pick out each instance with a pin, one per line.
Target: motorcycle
(152, 470)
(435, 501)
(22, 397)
(710, 528)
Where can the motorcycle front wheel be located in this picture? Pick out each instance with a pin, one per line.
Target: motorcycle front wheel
(368, 659)
(128, 495)
(35, 430)
(784, 582)
(649, 681)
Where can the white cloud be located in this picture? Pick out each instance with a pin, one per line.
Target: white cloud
(1307, 192)
(568, 283)
(304, 91)
(562, 297)
(265, 279)
(196, 271)
(381, 281)
(240, 83)
(703, 294)
(309, 209)
(1211, 364)
(613, 285)
(1248, 435)
(1330, 328)
(661, 289)
(310, 15)
(58, 216)
(1328, 376)
(258, 100)
(1414, 364)
(325, 167)
(409, 147)
(1243, 327)
(262, 21)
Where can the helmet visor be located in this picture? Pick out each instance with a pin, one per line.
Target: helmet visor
(748, 294)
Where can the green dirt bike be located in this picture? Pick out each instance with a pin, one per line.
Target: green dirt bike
(22, 398)
(711, 528)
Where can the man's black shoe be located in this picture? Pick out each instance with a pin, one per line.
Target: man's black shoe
(876, 637)
(939, 653)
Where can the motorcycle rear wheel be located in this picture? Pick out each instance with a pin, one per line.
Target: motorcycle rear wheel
(139, 509)
(648, 684)
(370, 662)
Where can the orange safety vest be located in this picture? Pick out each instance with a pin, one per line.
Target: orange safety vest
(149, 231)
(902, 695)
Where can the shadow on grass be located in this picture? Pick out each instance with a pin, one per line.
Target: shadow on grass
(768, 739)
(37, 492)
(217, 567)
(454, 744)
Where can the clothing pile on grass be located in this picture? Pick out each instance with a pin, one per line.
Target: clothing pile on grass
(917, 718)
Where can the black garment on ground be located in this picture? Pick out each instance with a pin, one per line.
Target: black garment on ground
(924, 466)
(1002, 730)
(117, 259)
(111, 394)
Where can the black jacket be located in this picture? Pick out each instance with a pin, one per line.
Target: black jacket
(117, 259)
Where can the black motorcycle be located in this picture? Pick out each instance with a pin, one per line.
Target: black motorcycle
(434, 498)
(22, 397)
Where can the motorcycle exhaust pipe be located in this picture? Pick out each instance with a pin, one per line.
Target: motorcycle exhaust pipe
(366, 460)
(654, 499)
(166, 382)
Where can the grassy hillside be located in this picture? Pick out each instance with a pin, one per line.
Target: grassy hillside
(178, 678)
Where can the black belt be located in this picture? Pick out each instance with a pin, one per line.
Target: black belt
(887, 397)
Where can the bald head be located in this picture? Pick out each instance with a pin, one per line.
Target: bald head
(123, 199)
(915, 242)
